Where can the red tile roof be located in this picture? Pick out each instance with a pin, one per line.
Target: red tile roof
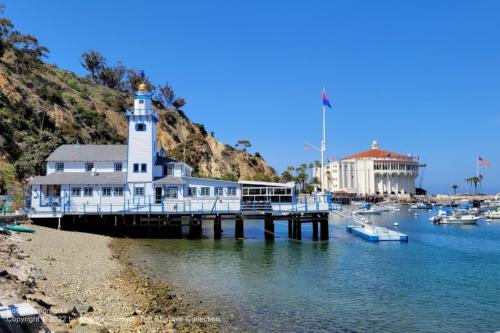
(379, 153)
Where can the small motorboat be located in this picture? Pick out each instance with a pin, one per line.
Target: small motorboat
(422, 205)
(367, 212)
(459, 219)
(437, 218)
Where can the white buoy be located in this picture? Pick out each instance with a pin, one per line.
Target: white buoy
(416, 214)
(396, 224)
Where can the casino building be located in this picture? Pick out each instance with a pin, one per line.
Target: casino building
(372, 172)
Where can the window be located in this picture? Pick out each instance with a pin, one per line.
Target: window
(76, 191)
(231, 191)
(192, 191)
(136, 167)
(205, 191)
(118, 166)
(141, 101)
(59, 166)
(219, 191)
(141, 127)
(144, 167)
(168, 170)
(171, 192)
(106, 191)
(139, 191)
(88, 192)
(89, 166)
(118, 191)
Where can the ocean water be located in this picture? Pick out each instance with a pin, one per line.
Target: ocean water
(445, 279)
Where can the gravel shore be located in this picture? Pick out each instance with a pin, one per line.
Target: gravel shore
(89, 276)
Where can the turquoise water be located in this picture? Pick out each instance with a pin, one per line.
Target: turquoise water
(446, 279)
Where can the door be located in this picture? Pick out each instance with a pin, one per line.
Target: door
(158, 195)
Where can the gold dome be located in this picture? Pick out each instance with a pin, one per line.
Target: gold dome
(143, 86)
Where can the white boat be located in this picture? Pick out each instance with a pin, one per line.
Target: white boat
(440, 215)
(459, 219)
(367, 212)
(493, 214)
(421, 205)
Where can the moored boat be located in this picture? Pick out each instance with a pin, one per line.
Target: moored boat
(367, 212)
(459, 219)
(422, 205)
(493, 214)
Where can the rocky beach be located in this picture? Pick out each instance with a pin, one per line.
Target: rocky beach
(81, 282)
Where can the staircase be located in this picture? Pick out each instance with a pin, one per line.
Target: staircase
(256, 207)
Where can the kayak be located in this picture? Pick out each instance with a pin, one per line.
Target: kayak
(4, 231)
(18, 228)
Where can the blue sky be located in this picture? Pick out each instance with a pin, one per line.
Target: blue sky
(421, 77)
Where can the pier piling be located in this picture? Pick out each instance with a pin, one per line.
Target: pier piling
(217, 227)
(324, 226)
(238, 227)
(297, 228)
(315, 228)
(268, 227)
(195, 227)
(290, 228)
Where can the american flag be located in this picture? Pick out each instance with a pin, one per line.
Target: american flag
(483, 162)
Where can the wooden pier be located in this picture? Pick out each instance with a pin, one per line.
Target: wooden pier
(173, 226)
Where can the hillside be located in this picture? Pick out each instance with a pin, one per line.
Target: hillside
(42, 107)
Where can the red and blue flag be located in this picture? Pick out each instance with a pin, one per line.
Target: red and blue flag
(326, 102)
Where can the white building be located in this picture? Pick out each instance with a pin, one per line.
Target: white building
(138, 178)
(371, 172)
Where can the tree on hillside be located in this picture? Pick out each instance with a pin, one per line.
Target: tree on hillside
(166, 95)
(112, 77)
(93, 62)
(454, 188)
(5, 29)
(179, 103)
(28, 44)
(243, 145)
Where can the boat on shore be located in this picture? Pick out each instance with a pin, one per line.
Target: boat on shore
(17, 228)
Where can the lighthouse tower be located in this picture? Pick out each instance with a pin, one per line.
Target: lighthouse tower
(142, 146)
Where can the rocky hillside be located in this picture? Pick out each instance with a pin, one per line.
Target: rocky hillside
(42, 107)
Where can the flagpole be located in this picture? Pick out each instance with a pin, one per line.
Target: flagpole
(323, 149)
(477, 165)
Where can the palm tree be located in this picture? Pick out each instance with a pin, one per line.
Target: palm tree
(287, 176)
(454, 187)
(475, 181)
(467, 181)
(310, 166)
(480, 182)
